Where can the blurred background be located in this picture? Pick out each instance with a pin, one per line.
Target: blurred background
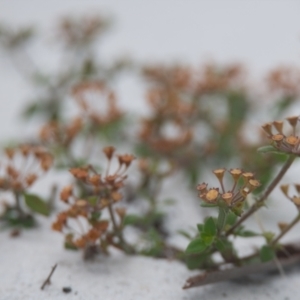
(259, 34)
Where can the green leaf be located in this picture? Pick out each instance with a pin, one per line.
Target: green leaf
(92, 200)
(266, 253)
(198, 261)
(223, 245)
(208, 205)
(36, 204)
(195, 246)
(245, 233)
(231, 218)
(270, 149)
(210, 227)
(200, 227)
(131, 220)
(207, 238)
(185, 234)
(95, 216)
(268, 235)
(266, 149)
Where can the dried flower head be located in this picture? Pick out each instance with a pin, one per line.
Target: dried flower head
(287, 143)
(235, 194)
(103, 193)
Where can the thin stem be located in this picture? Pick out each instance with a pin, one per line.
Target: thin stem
(286, 230)
(123, 244)
(47, 281)
(18, 204)
(113, 219)
(222, 217)
(264, 196)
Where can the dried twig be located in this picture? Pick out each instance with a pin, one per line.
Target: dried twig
(238, 272)
(47, 281)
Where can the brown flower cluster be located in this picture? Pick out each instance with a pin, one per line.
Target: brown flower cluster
(243, 184)
(81, 31)
(57, 133)
(91, 97)
(22, 166)
(177, 97)
(104, 192)
(288, 143)
(170, 111)
(285, 81)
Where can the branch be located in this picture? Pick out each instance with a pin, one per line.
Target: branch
(47, 281)
(238, 272)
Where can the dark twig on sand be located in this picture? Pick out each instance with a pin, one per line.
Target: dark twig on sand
(47, 281)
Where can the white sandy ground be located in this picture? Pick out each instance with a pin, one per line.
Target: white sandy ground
(27, 260)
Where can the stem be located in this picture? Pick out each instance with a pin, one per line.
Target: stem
(18, 205)
(260, 201)
(286, 229)
(117, 231)
(238, 272)
(47, 281)
(222, 217)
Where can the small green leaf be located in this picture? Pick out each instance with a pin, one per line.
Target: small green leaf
(36, 204)
(200, 227)
(207, 238)
(266, 149)
(266, 253)
(268, 235)
(92, 200)
(223, 245)
(131, 220)
(231, 218)
(195, 246)
(270, 149)
(245, 233)
(95, 216)
(185, 234)
(210, 227)
(198, 261)
(208, 205)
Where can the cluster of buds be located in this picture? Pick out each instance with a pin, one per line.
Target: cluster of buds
(55, 132)
(153, 135)
(285, 143)
(213, 78)
(243, 184)
(295, 199)
(285, 81)
(22, 166)
(80, 31)
(104, 193)
(179, 77)
(89, 94)
(169, 110)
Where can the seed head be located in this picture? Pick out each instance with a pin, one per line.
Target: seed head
(267, 128)
(109, 151)
(212, 195)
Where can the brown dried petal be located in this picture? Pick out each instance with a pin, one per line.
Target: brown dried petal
(109, 151)
(66, 193)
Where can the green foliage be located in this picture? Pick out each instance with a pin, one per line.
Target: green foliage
(266, 253)
(241, 231)
(12, 217)
(196, 246)
(36, 204)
